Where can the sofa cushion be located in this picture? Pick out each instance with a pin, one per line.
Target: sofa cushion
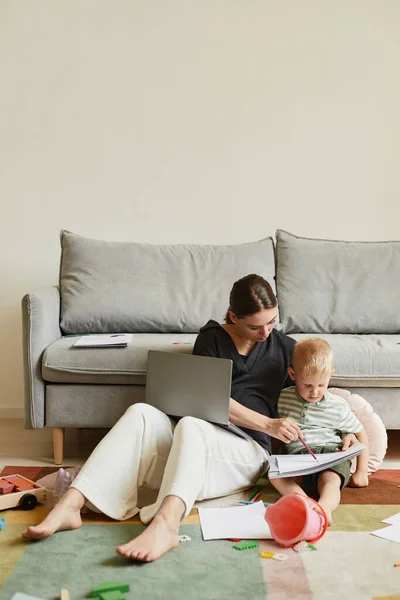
(62, 363)
(363, 360)
(337, 287)
(130, 287)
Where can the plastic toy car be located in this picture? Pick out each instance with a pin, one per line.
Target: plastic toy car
(17, 490)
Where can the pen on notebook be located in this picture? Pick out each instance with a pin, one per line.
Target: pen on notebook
(308, 449)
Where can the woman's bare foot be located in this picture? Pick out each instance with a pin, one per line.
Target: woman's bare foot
(159, 537)
(65, 515)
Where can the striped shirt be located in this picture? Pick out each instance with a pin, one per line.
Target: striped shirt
(322, 423)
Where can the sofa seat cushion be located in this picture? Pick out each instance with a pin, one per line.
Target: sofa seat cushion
(62, 363)
(363, 360)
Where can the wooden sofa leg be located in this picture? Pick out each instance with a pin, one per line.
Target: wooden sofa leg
(58, 444)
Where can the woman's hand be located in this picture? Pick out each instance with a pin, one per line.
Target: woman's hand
(283, 429)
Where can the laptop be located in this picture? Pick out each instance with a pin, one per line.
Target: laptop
(187, 385)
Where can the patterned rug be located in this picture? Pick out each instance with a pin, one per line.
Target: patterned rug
(345, 565)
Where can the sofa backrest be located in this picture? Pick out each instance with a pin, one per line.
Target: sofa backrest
(130, 287)
(327, 286)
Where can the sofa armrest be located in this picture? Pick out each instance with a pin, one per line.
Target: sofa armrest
(40, 328)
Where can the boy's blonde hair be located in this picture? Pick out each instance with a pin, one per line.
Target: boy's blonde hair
(311, 357)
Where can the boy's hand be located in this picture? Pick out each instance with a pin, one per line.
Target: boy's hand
(358, 479)
(348, 441)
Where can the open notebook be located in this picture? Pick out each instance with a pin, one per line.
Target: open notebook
(291, 465)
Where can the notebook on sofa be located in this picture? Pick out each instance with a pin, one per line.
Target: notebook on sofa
(104, 340)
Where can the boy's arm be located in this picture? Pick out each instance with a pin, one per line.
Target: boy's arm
(360, 476)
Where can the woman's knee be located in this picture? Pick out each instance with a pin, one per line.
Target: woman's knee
(141, 410)
(190, 424)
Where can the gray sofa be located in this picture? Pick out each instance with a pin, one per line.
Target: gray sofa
(345, 292)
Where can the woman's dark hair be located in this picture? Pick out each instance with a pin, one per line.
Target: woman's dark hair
(249, 295)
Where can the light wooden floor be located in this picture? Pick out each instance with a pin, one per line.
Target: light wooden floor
(35, 447)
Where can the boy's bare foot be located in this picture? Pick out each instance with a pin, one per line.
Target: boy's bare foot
(65, 515)
(159, 537)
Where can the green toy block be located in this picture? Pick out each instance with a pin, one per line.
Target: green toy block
(114, 595)
(109, 586)
(245, 545)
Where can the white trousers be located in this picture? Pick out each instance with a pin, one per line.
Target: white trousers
(193, 460)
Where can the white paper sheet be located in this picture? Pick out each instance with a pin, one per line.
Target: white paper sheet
(393, 520)
(244, 522)
(389, 533)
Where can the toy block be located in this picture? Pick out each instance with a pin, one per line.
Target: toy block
(245, 545)
(24, 488)
(20, 482)
(114, 595)
(109, 586)
(266, 554)
(3, 523)
(6, 487)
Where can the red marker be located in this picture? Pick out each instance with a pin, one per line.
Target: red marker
(309, 449)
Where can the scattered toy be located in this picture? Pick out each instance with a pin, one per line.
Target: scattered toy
(301, 546)
(245, 545)
(17, 490)
(106, 587)
(312, 547)
(184, 538)
(280, 557)
(3, 523)
(266, 554)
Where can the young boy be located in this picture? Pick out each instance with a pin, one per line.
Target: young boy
(324, 419)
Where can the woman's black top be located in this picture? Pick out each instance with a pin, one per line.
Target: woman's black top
(256, 381)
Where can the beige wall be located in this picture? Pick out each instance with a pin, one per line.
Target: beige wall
(212, 121)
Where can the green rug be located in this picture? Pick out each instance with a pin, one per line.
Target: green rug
(80, 560)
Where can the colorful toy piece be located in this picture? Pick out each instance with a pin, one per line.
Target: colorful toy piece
(23, 492)
(114, 595)
(3, 523)
(245, 545)
(266, 554)
(106, 588)
(6, 487)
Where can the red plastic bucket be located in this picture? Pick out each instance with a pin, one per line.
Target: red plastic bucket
(292, 519)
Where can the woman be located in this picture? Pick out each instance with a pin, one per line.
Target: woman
(193, 459)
